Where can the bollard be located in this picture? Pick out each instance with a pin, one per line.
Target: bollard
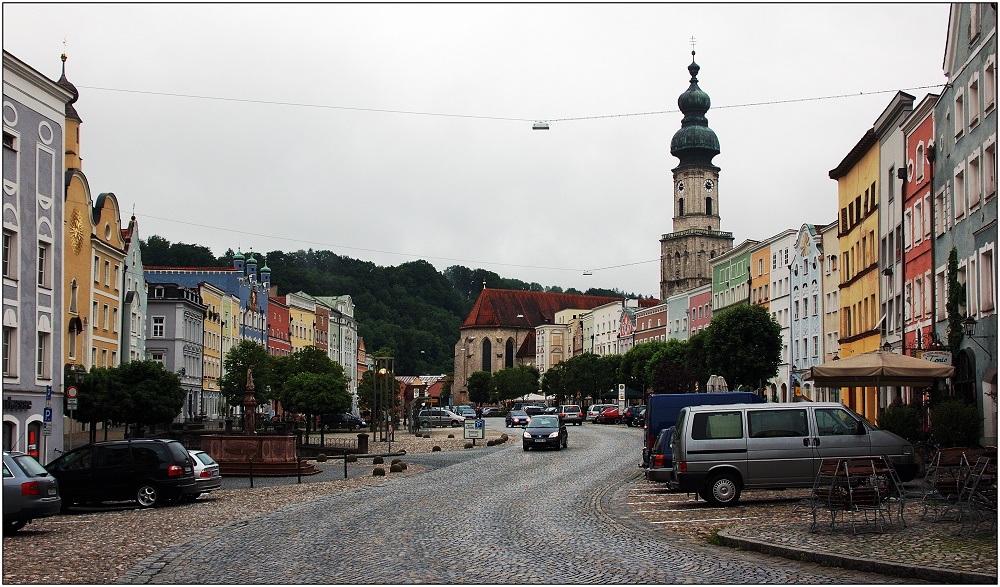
(362, 444)
(345, 466)
(298, 463)
(251, 473)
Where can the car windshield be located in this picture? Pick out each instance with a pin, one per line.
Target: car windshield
(543, 422)
(205, 458)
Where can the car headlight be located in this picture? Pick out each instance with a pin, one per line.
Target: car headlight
(554, 434)
(526, 434)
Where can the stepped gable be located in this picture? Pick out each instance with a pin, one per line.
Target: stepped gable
(499, 308)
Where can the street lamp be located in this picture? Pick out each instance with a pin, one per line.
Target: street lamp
(969, 325)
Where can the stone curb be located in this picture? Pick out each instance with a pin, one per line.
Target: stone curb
(932, 574)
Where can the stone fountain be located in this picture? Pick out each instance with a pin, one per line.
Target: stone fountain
(252, 453)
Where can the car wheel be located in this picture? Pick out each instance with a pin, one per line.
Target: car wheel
(618, 420)
(425, 424)
(455, 423)
(147, 495)
(13, 526)
(722, 490)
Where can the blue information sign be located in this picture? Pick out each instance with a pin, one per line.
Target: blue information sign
(47, 415)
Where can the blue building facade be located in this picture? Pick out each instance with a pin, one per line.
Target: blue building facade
(34, 118)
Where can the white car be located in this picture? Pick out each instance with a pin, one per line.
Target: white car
(206, 473)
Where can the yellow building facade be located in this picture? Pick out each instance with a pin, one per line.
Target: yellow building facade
(760, 277)
(857, 179)
(93, 268)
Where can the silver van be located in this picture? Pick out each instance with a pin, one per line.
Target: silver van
(718, 451)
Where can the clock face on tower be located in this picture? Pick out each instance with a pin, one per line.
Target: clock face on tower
(680, 185)
(709, 185)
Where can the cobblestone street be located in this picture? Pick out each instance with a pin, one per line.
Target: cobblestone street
(500, 516)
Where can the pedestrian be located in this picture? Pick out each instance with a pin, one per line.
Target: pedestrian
(479, 413)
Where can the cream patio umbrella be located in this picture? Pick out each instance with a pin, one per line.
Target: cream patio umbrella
(878, 369)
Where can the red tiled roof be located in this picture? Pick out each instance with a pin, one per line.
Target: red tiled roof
(528, 348)
(500, 308)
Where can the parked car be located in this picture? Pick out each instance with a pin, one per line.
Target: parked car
(29, 491)
(150, 471)
(634, 415)
(545, 430)
(491, 412)
(721, 450)
(467, 413)
(517, 418)
(342, 421)
(571, 414)
(439, 417)
(609, 416)
(206, 473)
(594, 410)
(660, 463)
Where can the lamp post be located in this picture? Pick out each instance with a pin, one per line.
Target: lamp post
(969, 325)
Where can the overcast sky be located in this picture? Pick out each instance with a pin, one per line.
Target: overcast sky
(398, 132)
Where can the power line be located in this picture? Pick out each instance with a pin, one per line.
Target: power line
(483, 117)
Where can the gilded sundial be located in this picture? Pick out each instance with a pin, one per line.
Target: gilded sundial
(76, 231)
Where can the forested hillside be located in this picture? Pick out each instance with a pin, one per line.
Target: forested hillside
(412, 309)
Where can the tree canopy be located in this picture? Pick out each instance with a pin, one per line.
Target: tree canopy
(744, 346)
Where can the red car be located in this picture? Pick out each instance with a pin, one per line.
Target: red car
(609, 416)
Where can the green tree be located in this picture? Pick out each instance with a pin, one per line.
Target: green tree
(237, 361)
(313, 394)
(480, 385)
(956, 297)
(139, 393)
(744, 346)
(154, 395)
(515, 382)
(668, 371)
(553, 384)
(634, 371)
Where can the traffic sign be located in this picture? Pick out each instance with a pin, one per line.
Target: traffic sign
(47, 415)
(71, 403)
(48, 392)
(72, 391)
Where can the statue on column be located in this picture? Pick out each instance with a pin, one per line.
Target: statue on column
(249, 405)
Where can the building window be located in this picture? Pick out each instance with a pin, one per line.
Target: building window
(990, 84)
(974, 183)
(959, 113)
(44, 265)
(990, 168)
(114, 320)
(118, 270)
(159, 323)
(9, 254)
(43, 360)
(9, 351)
(959, 195)
(104, 358)
(919, 161)
(987, 281)
(97, 269)
(974, 100)
(73, 294)
(107, 273)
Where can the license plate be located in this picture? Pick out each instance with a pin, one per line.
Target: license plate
(539, 440)
(52, 490)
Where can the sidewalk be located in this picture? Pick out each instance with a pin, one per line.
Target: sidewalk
(925, 550)
(778, 523)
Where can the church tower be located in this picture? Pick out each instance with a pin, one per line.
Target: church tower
(696, 237)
